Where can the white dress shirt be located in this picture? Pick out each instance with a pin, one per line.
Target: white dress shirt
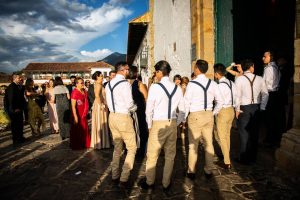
(244, 93)
(226, 92)
(194, 96)
(158, 101)
(122, 96)
(272, 76)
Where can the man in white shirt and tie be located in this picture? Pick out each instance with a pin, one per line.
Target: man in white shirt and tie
(199, 96)
(274, 109)
(252, 96)
(226, 115)
(120, 103)
(163, 100)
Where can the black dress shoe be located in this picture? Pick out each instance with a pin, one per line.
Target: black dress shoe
(168, 191)
(191, 176)
(227, 166)
(115, 182)
(144, 185)
(123, 185)
(208, 175)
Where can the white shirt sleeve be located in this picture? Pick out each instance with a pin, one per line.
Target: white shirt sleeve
(150, 105)
(234, 94)
(268, 77)
(181, 109)
(126, 90)
(264, 96)
(187, 99)
(238, 97)
(218, 99)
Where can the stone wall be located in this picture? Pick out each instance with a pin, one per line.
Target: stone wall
(288, 156)
(172, 35)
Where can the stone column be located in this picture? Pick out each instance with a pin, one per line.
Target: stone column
(288, 155)
(203, 32)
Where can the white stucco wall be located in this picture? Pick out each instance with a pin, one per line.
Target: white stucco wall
(172, 24)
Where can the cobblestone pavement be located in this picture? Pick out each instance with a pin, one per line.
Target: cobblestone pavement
(46, 168)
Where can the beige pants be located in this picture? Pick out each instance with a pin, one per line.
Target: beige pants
(224, 124)
(163, 134)
(200, 126)
(121, 126)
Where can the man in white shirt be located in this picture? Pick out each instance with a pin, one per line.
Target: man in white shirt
(252, 95)
(120, 103)
(271, 77)
(226, 115)
(199, 96)
(163, 100)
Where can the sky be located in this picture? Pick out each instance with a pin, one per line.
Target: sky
(63, 30)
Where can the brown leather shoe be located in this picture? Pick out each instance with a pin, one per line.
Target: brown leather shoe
(227, 166)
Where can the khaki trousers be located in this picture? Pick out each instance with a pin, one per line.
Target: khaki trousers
(224, 124)
(121, 126)
(163, 134)
(200, 127)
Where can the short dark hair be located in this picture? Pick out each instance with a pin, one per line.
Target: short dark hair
(177, 76)
(220, 69)
(72, 76)
(163, 66)
(112, 72)
(246, 64)
(202, 65)
(119, 65)
(272, 54)
(133, 72)
(58, 81)
(96, 74)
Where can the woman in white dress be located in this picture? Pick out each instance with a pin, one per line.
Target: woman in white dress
(100, 137)
(52, 107)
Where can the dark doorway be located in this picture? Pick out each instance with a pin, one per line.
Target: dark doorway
(259, 25)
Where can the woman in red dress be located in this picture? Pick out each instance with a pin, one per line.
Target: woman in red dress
(79, 133)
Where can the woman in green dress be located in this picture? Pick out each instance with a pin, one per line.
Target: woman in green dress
(35, 115)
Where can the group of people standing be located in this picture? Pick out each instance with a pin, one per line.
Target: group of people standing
(203, 104)
(125, 111)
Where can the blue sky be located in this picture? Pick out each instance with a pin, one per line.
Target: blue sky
(63, 30)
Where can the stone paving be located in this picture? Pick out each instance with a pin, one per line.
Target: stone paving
(46, 168)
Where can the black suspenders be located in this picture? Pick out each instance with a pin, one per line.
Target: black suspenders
(205, 91)
(111, 92)
(169, 96)
(251, 84)
(230, 87)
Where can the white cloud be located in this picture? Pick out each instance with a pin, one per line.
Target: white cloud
(119, 1)
(63, 39)
(98, 54)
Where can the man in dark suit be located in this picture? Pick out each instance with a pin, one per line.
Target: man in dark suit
(15, 103)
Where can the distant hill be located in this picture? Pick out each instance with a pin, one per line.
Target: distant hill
(114, 58)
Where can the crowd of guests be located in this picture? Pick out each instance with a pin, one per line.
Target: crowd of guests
(150, 119)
